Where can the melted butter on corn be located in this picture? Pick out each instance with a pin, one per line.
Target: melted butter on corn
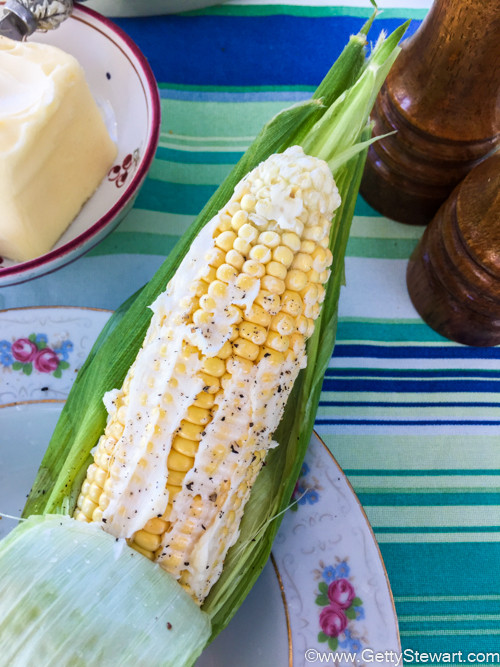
(190, 428)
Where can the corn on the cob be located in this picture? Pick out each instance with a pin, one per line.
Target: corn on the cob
(190, 428)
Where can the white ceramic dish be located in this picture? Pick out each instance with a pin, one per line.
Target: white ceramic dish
(125, 89)
(150, 8)
(327, 575)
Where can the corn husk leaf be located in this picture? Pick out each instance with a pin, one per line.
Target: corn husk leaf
(83, 417)
(58, 569)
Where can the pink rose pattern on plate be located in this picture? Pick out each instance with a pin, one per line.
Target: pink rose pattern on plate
(341, 607)
(34, 353)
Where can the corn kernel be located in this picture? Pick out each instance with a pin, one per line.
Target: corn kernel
(270, 239)
(100, 477)
(302, 262)
(315, 233)
(257, 315)
(296, 280)
(297, 342)
(239, 219)
(201, 317)
(272, 356)
(248, 202)
(272, 284)
(211, 384)
(284, 255)
(224, 222)
(247, 232)
(156, 526)
(217, 289)
(254, 268)
(173, 490)
(319, 259)
(245, 349)
(242, 246)
(239, 366)
(97, 515)
(277, 342)
(291, 303)
(234, 258)
(215, 257)
(276, 269)
(204, 400)
(260, 253)
(302, 325)
(94, 493)
(269, 302)
(246, 283)
(114, 429)
(198, 415)
(253, 332)
(146, 540)
(142, 551)
(324, 275)
(176, 477)
(310, 294)
(283, 324)
(213, 366)
(184, 445)
(310, 328)
(307, 247)
(84, 491)
(178, 461)
(226, 273)
(225, 379)
(207, 275)
(87, 507)
(225, 351)
(291, 240)
(313, 276)
(207, 303)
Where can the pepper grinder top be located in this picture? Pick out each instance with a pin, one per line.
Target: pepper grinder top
(441, 96)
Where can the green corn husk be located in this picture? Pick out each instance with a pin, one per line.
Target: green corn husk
(334, 128)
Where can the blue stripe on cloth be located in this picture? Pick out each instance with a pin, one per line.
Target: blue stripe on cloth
(426, 499)
(410, 372)
(286, 96)
(416, 352)
(197, 157)
(173, 197)
(407, 422)
(426, 472)
(276, 50)
(408, 404)
(418, 386)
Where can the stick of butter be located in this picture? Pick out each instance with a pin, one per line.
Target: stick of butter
(54, 146)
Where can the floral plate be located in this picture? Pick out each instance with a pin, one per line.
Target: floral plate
(326, 589)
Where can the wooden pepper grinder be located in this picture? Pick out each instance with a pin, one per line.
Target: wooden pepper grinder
(441, 96)
(453, 275)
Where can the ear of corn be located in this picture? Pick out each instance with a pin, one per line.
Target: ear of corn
(190, 428)
(83, 419)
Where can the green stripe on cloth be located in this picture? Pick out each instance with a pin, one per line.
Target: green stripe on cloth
(301, 10)
(414, 331)
(417, 497)
(138, 244)
(439, 453)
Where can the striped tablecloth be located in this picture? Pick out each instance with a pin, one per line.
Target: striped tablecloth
(412, 418)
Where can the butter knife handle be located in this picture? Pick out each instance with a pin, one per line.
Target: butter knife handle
(30, 15)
